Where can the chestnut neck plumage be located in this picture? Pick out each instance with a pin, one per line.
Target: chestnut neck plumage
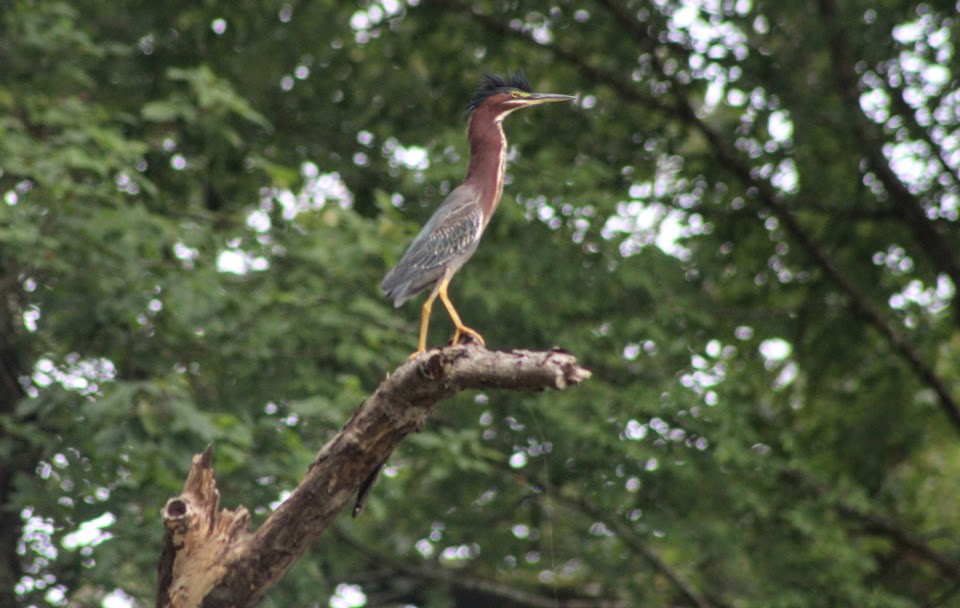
(488, 155)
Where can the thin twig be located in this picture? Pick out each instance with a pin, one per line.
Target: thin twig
(472, 582)
(630, 538)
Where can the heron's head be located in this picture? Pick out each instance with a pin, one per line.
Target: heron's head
(502, 95)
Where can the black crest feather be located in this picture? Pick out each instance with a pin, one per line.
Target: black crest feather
(495, 83)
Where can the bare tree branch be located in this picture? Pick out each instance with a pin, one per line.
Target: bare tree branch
(883, 526)
(630, 538)
(20, 457)
(633, 540)
(927, 234)
(846, 214)
(518, 596)
(471, 582)
(878, 524)
(211, 559)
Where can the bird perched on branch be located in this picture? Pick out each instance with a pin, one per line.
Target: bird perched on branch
(452, 234)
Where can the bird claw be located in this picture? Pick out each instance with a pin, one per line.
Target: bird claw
(458, 335)
(466, 331)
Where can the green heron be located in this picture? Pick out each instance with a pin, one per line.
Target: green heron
(452, 234)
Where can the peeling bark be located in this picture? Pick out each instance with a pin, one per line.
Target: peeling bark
(210, 558)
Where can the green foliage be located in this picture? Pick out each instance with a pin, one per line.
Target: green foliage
(198, 201)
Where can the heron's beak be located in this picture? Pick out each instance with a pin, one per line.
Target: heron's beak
(538, 98)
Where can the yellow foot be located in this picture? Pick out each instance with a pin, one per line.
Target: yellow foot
(464, 330)
(416, 353)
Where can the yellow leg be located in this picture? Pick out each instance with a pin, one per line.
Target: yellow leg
(424, 324)
(461, 328)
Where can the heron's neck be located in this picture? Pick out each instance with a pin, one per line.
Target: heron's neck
(488, 158)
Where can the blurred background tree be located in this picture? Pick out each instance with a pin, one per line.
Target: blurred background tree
(747, 227)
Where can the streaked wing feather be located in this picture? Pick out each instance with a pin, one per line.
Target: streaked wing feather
(452, 228)
(451, 232)
(450, 236)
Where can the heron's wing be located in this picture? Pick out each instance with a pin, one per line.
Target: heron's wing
(452, 230)
(449, 236)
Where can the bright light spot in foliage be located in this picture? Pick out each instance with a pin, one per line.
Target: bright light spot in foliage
(775, 349)
(117, 599)
(786, 376)
(780, 126)
(90, 533)
(908, 32)
(236, 261)
(635, 430)
(460, 553)
(598, 528)
(318, 190)
(935, 75)
(187, 255)
(521, 531)
(542, 34)
(653, 224)
(686, 15)
(283, 498)
(56, 596)
(365, 138)
(413, 157)
(258, 221)
(424, 547)
(658, 212)
(876, 104)
(126, 184)
(218, 26)
(518, 460)
(360, 21)
(348, 596)
(83, 376)
(30, 318)
(36, 534)
(365, 22)
(932, 299)
(786, 177)
(309, 170)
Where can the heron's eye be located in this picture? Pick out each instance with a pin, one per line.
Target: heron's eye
(514, 94)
